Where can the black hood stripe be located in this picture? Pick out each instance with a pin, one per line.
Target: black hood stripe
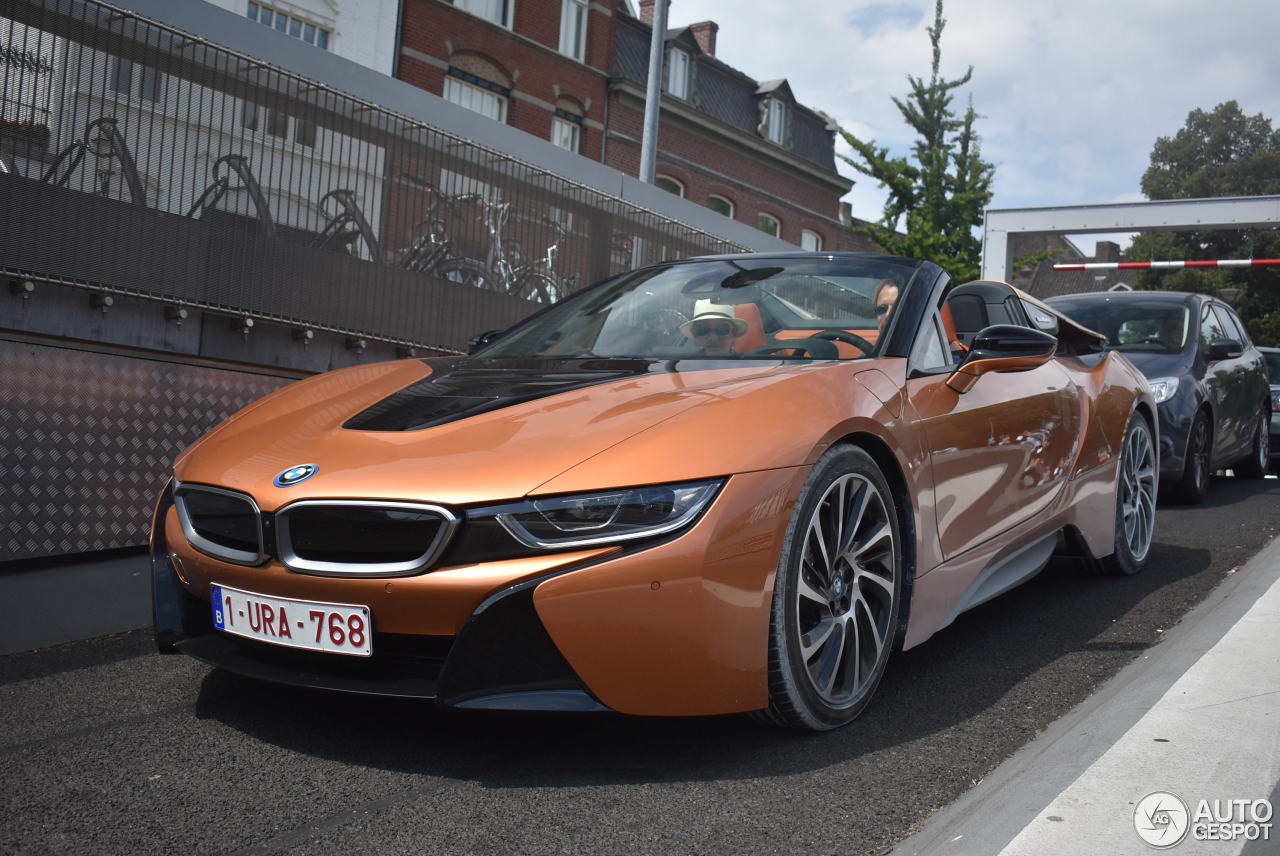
(458, 388)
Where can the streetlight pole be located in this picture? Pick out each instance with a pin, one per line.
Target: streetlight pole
(653, 94)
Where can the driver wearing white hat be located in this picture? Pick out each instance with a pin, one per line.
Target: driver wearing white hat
(713, 328)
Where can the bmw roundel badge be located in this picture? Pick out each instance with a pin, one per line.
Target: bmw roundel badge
(293, 475)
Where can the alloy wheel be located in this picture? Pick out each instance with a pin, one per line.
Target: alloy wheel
(1138, 493)
(844, 602)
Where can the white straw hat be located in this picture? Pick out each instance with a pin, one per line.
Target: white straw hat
(705, 310)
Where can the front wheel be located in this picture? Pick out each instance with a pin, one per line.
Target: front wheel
(1135, 501)
(1255, 466)
(837, 595)
(1193, 487)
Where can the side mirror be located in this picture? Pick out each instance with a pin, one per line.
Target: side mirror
(1224, 349)
(1003, 348)
(483, 339)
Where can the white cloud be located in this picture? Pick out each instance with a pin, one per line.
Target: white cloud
(1073, 95)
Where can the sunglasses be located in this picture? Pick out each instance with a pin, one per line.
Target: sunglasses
(707, 328)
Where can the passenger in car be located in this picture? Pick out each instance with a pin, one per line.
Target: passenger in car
(713, 328)
(886, 295)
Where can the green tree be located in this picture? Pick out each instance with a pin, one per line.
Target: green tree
(937, 196)
(1218, 153)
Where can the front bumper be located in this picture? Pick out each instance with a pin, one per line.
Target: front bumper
(679, 627)
(1176, 416)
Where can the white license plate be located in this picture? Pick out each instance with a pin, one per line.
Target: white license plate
(339, 628)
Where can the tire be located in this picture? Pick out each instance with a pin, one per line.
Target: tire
(824, 683)
(465, 272)
(1136, 484)
(1258, 462)
(538, 288)
(1193, 486)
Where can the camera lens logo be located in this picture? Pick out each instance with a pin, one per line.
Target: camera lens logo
(1161, 819)
(293, 475)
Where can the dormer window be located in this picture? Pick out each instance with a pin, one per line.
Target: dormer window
(678, 73)
(775, 121)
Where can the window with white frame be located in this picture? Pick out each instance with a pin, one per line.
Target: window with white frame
(810, 241)
(277, 124)
(769, 224)
(497, 11)
(678, 73)
(307, 31)
(775, 121)
(129, 78)
(573, 29)
(467, 90)
(669, 184)
(566, 133)
(720, 205)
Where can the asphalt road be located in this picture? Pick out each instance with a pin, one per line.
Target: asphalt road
(109, 748)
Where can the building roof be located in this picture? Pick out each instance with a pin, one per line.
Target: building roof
(1046, 282)
(724, 93)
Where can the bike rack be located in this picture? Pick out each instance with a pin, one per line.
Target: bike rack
(107, 144)
(218, 188)
(337, 230)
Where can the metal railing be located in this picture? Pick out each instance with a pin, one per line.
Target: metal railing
(148, 161)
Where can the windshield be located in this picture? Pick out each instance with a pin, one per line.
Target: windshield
(767, 308)
(1131, 324)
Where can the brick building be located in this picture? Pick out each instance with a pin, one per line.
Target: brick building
(574, 72)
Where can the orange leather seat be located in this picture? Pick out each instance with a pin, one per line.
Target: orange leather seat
(949, 325)
(754, 337)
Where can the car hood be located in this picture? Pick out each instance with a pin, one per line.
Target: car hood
(1154, 364)
(456, 431)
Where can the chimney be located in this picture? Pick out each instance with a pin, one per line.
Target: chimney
(1107, 251)
(646, 11)
(705, 33)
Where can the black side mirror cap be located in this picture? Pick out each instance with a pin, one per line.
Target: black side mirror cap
(1003, 348)
(1224, 349)
(485, 338)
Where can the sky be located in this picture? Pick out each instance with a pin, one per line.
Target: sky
(1072, 95)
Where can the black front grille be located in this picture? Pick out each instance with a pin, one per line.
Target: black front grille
(221, 522)
(342, 537)
(330, 533)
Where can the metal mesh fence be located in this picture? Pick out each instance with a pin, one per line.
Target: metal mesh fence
(138, 159)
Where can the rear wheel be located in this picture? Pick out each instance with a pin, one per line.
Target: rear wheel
(465, 272)
(1135, 501)
(1194, 484)
(837, 595)
(1255, 466)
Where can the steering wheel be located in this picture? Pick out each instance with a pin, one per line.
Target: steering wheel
(816, 348)
(846, 337)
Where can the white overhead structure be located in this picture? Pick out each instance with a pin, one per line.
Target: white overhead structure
(1175, 215)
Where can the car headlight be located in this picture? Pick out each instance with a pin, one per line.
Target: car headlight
(1275, 399)
(1163, 388)
(606, 517)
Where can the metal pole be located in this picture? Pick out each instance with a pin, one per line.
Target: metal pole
(653, 94)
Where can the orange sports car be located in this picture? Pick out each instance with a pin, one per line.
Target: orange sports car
(724, 484)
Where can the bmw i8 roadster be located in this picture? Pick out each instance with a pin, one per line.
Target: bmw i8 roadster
(724, 484)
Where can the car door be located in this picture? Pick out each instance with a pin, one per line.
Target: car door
(1248, 390)
(1000, 452)
(1219, 376)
